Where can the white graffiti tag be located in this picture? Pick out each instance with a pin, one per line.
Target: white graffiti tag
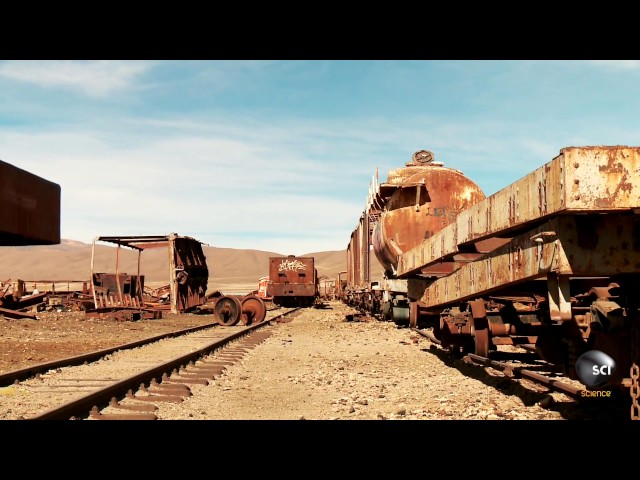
(288, 265)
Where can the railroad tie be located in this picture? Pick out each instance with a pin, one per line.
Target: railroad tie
(138, 407)
(155, 398)
(176, 377)
(96, 415)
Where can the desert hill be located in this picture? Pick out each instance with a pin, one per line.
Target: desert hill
(230, 270)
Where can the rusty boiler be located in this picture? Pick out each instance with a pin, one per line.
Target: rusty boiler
(419, 200)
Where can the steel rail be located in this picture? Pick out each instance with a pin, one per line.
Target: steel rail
(82, 407)
(17, 375)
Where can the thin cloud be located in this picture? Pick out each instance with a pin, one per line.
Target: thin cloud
(617, 64)
(95, 78)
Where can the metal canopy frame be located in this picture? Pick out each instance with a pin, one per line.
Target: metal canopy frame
(138, 242)
(141, 243)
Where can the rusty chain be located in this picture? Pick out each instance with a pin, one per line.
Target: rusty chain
(635, 371)
(635, 392)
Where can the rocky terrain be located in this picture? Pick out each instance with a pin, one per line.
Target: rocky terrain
(322, 365)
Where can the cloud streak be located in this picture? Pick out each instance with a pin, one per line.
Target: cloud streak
(95, 78)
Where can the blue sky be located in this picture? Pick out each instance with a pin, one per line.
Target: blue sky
(278, 155)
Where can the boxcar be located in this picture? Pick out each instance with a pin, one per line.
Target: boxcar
(293, 281)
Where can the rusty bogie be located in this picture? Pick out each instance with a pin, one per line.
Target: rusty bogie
(227, 310)
(601, 319)
(254, 309)
(231, 310)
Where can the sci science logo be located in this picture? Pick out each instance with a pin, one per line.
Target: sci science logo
(595, 368)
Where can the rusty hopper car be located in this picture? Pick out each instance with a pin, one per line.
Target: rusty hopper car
(30, 213)
(293, 281)
(550, 263)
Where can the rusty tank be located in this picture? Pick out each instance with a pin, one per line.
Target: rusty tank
(417, 201)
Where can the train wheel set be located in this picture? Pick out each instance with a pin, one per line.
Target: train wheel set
(229, 310)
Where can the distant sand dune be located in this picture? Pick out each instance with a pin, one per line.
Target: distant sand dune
(229, 269)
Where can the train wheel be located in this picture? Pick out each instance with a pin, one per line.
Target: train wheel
(481, 336)
(400, 316)
(254, 309)
(227, 311)
(386, 311)
(413, 314)
(481, 327)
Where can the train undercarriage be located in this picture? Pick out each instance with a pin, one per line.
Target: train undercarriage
(604, 317)
(384, 300)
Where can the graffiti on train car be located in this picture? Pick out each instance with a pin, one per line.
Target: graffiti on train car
(291, 265)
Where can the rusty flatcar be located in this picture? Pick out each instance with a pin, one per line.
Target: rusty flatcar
(293, 281)
(30, 208)
(551, 263)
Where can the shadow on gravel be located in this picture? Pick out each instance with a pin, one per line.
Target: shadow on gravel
(322, 306)
(587, 409)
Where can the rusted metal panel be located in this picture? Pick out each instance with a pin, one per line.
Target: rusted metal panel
(393, 285)
(14, 314)
(29, 208)
(263, 282)
(291, 290)
(579, 180)
(189, 273)
(602, 178)
(293, 277)
(117, 290)
(358, 256)
(292, 270)
(587, 245)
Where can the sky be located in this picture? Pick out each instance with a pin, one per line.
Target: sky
(278, 155)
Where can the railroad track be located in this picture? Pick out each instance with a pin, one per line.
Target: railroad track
(128, 381)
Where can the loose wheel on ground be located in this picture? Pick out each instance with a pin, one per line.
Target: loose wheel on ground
(227, 311)
(254, 309)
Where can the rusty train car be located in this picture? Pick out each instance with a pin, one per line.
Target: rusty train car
(293, 281)
(551, 263)
(188, 273)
